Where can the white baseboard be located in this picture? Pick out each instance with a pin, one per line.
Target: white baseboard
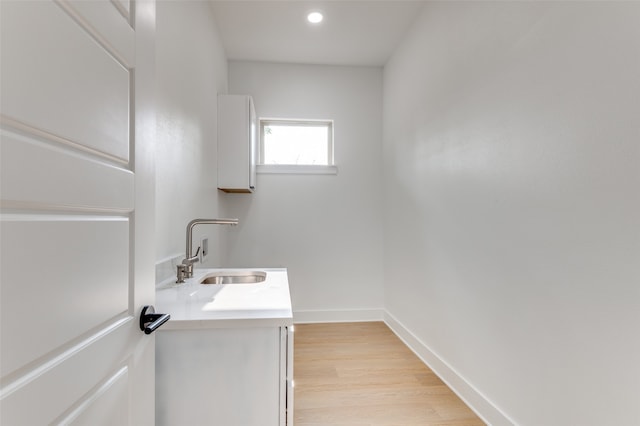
(488, 412)
(338, 315)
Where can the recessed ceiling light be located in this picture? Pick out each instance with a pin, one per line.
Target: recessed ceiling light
(315, 17)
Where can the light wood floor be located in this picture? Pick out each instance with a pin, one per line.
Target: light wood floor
(361, 374)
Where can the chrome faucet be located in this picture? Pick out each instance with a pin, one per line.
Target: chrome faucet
(185, 269)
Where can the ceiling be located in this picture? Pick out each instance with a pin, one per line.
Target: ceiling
(360, 32)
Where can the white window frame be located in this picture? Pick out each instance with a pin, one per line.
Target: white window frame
(331, 168)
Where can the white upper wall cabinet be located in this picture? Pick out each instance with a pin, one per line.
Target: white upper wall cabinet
(236, 144)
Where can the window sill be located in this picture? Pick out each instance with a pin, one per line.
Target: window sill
(297, 169)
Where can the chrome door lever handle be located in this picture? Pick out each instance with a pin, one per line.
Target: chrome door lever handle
(150, 321)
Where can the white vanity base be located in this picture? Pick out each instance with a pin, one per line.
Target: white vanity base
(226, 356)
(222, 376)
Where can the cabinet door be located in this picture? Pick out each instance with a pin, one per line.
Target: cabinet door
(253, 145)
(236, 143)
(286, 376)
(218, 376)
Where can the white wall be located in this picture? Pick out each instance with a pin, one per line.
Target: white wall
(326, 229)
(192, 70)
(512, 148)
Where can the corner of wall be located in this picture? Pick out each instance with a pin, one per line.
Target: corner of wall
(192, 69)
(166, 269)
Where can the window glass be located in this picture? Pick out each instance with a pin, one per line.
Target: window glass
(287, 142)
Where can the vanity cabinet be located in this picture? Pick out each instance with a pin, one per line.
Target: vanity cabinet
(226, 355)
(232, 376)
(237, 144)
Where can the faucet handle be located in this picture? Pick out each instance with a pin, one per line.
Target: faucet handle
(180, 273)
(193, 259)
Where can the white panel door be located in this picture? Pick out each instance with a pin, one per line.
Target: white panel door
(77, 212)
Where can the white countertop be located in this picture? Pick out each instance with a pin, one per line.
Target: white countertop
(193, 305)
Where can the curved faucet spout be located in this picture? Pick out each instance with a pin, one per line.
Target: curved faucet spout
(190, 259)
(194, 222)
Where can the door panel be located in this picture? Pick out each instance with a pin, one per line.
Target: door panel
(49, 175)
(67, 380)
(62, 81)
(108, 26)
(77, 286)
(124, 7)
(77, 126)
(102, 403)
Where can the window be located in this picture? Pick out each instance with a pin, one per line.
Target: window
(296, 146)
